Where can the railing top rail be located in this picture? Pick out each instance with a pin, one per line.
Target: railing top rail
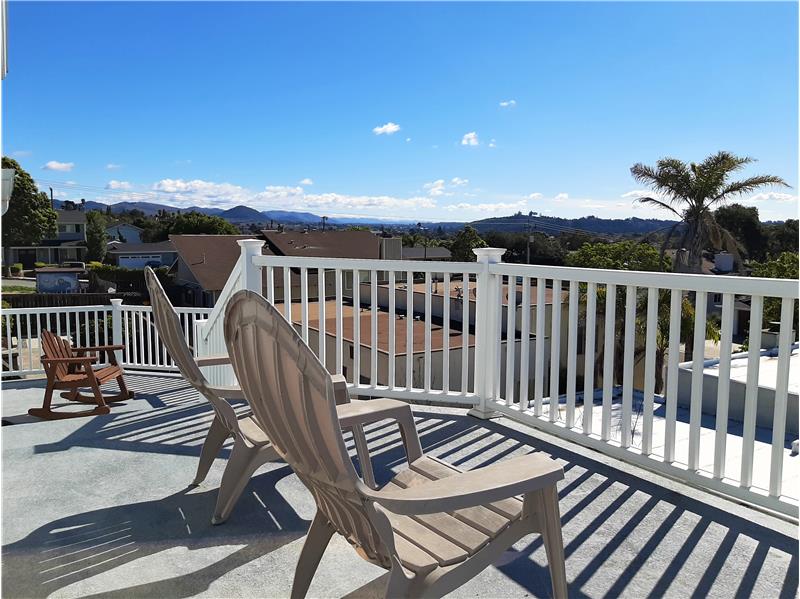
(367, 264)
(96, 308)
(664, 280)
(53, 309)
(230, 287)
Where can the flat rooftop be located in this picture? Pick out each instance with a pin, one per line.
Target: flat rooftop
(99, 507)
(767, 369)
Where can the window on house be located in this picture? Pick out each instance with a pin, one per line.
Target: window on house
(62, 228)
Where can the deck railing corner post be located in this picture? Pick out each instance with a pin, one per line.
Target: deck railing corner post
(116, 325)
(251, 273)
(487, 293)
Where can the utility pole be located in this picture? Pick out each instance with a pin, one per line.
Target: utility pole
(324, 220)
(530, 237)
(52, 202)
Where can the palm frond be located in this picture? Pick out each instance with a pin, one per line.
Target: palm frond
(667, 237)
(748, 185)
(670, 176)
(660, 204)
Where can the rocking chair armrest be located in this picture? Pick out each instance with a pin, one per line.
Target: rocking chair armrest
(359, 412)
(498, 481)
(228, 392)
(70, 360)
(212, 361)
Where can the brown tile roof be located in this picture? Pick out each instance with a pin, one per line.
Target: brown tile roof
(348, 313)
(210, 258)
(327, 244)
(128, 248)
(384, 324)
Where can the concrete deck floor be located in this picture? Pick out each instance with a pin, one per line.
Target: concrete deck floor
(99, 507)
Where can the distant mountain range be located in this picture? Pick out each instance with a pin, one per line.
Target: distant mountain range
(514, 223)
(554, 225)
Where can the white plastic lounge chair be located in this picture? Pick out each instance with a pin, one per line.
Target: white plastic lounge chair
(433, 526)
(251, 445)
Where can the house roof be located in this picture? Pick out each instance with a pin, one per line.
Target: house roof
(422, 253)
(68, 217)
(139, 248)
(210, 258)
(328, 244)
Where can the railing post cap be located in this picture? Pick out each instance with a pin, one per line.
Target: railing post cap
(489, 254)
(251, 244)
(116, 301)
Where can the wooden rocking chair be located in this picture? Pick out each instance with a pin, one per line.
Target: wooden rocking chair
(71, 368)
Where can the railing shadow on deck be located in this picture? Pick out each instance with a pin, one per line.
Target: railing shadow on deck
(78, 547)
(623, 534)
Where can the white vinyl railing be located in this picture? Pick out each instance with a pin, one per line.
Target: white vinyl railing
(117, 324)
(575, 352)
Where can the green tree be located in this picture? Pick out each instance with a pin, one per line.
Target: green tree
(30, 217)
(782, 237)
(743, 223)
(464, 242)
(630, 255)
(621, 255)
(96, 237)
(690, 192)
(186, 223)
(784, 266)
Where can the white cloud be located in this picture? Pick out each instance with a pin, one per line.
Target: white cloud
(21, 153)
(198, 192)
(593, 204)
(495, 207)
(114, 184)
(435, 188)
(470, 139)
(508, 103)
(458, 182)
(408, 139)
(111, 166)
(535, 196)
(337, 200)
(55, 165)
(561, 197)
(306, 181)
(773, 196)
(387, 129)
(492, 143)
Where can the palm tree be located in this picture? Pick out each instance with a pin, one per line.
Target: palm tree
(691, 192)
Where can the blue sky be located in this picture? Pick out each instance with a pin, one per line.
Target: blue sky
(416, 110)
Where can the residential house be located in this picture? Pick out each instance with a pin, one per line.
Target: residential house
(68, 245)
(139, 255)
(124, 233)
(203, 265)
(356, 244)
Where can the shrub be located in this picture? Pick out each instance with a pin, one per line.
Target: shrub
(94, 264)
(39, 264)
(16, 267)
